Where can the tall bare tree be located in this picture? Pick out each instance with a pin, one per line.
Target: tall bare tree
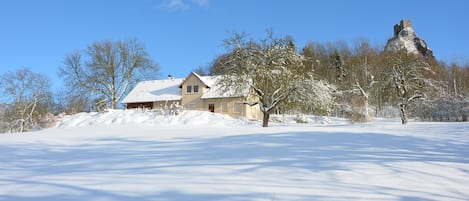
(409, 75)
(27, 95)
(273, 70)
(109, 69)
(362, 81)
(217, 67)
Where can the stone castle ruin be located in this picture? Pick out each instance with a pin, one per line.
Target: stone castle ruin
(403, 24)
(406, 39)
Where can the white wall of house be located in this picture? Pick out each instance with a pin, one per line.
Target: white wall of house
(192, 89)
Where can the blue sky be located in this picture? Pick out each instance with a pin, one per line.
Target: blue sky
(181, 35)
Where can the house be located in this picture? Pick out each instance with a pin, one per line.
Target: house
(194, 92)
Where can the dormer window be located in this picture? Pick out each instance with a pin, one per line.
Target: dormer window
(189, 89)
(196, 88)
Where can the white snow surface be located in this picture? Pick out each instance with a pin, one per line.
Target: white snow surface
(139, 155)
(155, 90)
(150, 117)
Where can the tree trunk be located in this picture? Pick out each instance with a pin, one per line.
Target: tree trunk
(265, 120)
(114, 102)
(402, 108)
(22, 126)
(366, 109)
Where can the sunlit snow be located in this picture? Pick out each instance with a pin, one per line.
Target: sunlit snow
(137, 155)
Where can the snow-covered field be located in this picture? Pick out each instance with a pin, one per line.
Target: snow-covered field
(131, 155)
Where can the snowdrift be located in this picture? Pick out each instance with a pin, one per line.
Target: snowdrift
(151, 117)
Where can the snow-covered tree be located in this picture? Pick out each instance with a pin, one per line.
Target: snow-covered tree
(109, 69)
(274, 72)
(408, 74)
(27, 95)
(444, 107)
(364, 84)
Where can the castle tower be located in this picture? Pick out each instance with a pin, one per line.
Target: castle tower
(406, 23)
(403, 24)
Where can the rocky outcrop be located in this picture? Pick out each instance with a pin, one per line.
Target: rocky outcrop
(406, 39)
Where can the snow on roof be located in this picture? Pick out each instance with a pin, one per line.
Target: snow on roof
(216, 91)
(207, 80)
(169, 90)
(155, 90)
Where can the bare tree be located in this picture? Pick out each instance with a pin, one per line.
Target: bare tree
(364, 70)
(72, 100)
(408, 74)
(109, 69)
(202, 71)
(27, 95)
(217, 66)
(273, 70)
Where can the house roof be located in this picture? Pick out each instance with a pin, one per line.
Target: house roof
(207, 80)
(155, 90)
(170, 90)
(216, 91)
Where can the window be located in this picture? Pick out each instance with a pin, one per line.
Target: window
(196, 88)
(189, 89)
(238, 108)
(224, 107)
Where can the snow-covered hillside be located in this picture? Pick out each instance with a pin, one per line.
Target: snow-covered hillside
(202, 156)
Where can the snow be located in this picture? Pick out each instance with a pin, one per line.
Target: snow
(218, 91)
(140, 155)
(155, 90)
(150, 117)
(207, 80)
(169, 90)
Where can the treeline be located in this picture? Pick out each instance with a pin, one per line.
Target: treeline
(373, 83)
(367, 82)
(365, 68)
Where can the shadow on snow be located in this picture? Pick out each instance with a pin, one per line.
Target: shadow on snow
(314, 152)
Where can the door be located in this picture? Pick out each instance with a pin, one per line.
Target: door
(211, 107)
